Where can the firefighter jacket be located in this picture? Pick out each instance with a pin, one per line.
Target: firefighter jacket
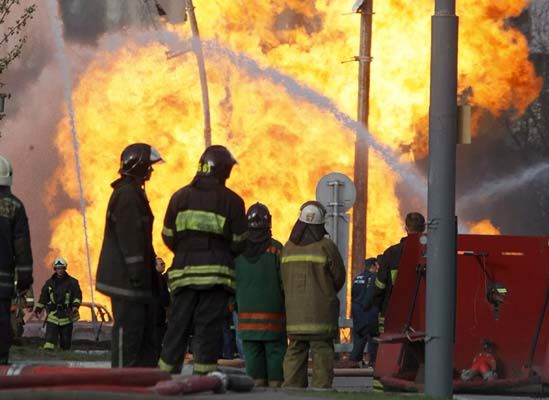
(259, 295)
(363, 312)
(15, 245)
(59, 296)
(205, 227)
(312, 275)
(127, 261)
(387, 274)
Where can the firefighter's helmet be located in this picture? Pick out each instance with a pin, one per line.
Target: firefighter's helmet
(312, 213)
(137, 159)
(259, 217)
(60, 262)
(6, 172)
(216, 161)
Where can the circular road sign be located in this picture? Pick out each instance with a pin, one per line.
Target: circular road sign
(346, 191)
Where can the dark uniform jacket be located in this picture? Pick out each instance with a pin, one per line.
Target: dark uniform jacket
(59, 296)
(387, 274)
(127, 261)
(15, 245)
(205, 226)
(363, 312)
(312, 275)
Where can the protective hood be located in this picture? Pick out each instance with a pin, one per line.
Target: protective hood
(304, 234)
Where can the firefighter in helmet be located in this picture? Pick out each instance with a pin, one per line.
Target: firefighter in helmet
(260, 300)
(61, 297)
(15, 254)
(312, 274)
(127, 264)
(205, 227)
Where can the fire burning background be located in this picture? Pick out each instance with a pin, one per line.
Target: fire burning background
(126, 90)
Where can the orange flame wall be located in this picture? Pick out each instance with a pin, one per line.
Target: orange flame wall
(283, 145)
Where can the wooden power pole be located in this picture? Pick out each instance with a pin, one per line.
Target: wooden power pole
(358, 251)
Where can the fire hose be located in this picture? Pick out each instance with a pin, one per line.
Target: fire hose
(37, 381)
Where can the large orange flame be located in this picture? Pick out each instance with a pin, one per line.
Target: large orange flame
(284, 145)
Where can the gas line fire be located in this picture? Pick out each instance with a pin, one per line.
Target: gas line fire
(133, 93)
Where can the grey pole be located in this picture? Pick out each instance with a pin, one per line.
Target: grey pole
(197, 46)
(441, 250)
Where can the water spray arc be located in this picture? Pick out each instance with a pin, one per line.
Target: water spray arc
(63, 63)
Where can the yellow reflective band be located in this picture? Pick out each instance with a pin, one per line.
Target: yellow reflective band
(310, 328)
(39, 305)
(49, 346)
(164, 366)
(380, 285)
(394, 273)
(203, 221)
(240, 238)
(201, 270)
(201, 281)
(76, 301)
(167, 232)
(204, 368)
(501, 290)
(304, 258)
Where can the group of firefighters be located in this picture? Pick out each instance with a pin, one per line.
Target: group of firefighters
(286, 296)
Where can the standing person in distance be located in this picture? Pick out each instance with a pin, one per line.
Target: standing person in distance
(260, 301)
(127, 264)
(205, 227)
(15, 254)
(61, 297)
(364, 314)
(312, 275)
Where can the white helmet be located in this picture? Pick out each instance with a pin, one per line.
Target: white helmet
(6, 172)
(312, 213)
(60, 262)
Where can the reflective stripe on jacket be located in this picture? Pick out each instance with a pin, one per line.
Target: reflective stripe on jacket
(205, 226)
(312, 275)
(59, 296)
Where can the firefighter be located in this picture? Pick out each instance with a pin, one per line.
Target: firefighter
(364, 313)
(61, 297)
(260, 301)
(312, 274)
(205, 227)
(388, 266)
(20, 304)
(127, 264)
(15, 254)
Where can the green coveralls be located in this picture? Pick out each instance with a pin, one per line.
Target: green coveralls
(312, 275)
(261, 317)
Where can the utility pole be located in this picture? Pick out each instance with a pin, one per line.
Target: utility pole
(197, 47)
(441, 247)
(358, 251)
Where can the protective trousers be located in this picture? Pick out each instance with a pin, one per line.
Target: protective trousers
(61, 333)
(5, 330)
(264, 361)
(134, 336)
(205, 311)
(297, 356)
(360, 340)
